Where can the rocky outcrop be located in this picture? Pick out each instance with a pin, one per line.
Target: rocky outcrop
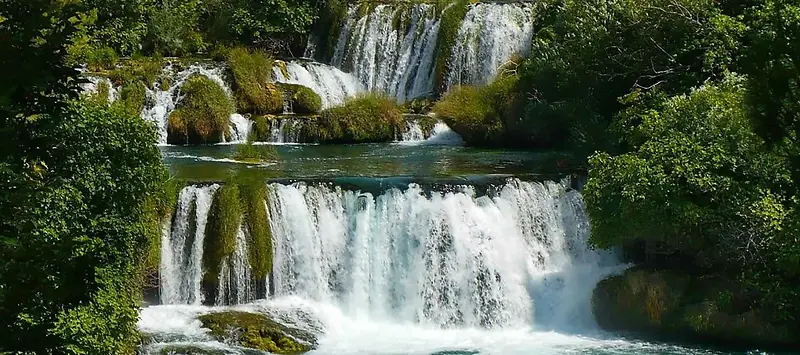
(670, 306)
(257, 331)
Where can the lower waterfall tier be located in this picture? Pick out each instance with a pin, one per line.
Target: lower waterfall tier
(513, 254)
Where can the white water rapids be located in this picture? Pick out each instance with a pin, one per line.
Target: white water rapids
(412, 269)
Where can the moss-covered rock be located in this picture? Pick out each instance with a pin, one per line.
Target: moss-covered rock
(251, 74)
(254, 196)
(257, 331)
(667, 305)
(366, 118)
(302, 99)
(202, 116)
(224, 220)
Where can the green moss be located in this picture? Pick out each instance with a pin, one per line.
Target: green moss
(684, 307)
(452, 15)
(257, 331)
(420, 106)
(146, 70)
(254, 196)
(481, 115)
(202, 116)
(224, 220)
(303, 99)
(362, 119)
(251, 74)
(260, 131)
(131, 99)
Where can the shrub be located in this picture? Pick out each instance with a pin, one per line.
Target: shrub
(224, 220)
(202, 116)
(261, 129)
(362, 119)
(251, 75)
(98, 59)
(146, 70)
(131, 99)
(482, 115)
(303, 99)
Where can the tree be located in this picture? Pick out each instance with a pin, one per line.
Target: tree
(73, 180)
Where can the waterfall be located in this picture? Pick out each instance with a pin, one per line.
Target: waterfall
(235, 277)
(413, 132)
(285, 130)
(240, 128)
(489, 36)
(161, 101)
(391, 50)
(331, 84)
(445, 259)
(182, 247)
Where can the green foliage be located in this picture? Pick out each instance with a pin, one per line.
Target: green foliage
(452, 14)
(418, 106)
(698, 181)
(98, 59)
(119, 24)
(144, 69)
(252, 73)
(261, 129)
(131, 99)
(255, 22)
(772, 61)
(303, 100)
(362, 119)
(684, 307)
(173, 28)
(76, 254)
(482, 115)
(202, 116)
(224, 220)
(587, 54)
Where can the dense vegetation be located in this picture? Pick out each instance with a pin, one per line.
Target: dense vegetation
(202, 115)
(79, 183)
(367, 118)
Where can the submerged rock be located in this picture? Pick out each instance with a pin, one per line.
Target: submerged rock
(671, 306)
(258, 331)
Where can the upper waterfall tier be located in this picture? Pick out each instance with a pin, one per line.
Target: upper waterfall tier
(394, 48)
(387, 58)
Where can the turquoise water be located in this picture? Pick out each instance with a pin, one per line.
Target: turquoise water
(365, 160)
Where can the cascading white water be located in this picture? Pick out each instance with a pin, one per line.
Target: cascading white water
(235, 276)
(387, 57)
(489, 36)
(443, 135)
(182, 247)
(240, 128)
(445, 259)
(161, 101)
(331, 84)
(91, 87)
(284, 130)
(413, 132)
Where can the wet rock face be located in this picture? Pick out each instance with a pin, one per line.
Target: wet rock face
(258, 331)
(671, 306)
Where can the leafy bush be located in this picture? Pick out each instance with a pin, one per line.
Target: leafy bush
(173, 28)
(202, 115)
(251, 75)
(131, 99)
(362, 119)
(98, 59)
(481, 115)
(144, 69)
(588, 54)
(303, 99)
(78, 253)
(697, 183)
